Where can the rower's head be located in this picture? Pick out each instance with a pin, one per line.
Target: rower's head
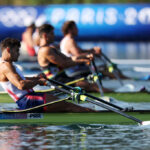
(10, 49)
(46, 33)
(69, 27)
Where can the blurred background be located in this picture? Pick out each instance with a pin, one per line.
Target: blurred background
(120, 27)
(45, 2)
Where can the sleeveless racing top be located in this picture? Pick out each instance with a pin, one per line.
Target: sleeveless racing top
(51, 70)
(74, 70)
(12, 90)
(62, 46)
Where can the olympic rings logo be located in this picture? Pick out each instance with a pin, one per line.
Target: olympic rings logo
(14, 16)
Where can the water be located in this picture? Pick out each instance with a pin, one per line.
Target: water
(113, 49)
(74, 137)
(121, 50)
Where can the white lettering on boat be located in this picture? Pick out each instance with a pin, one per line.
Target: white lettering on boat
(34, 116)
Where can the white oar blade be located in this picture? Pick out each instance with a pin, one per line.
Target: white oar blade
(145, 123)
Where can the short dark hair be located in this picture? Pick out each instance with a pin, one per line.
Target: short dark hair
(45, 28)
(9, 42)
(67, 26)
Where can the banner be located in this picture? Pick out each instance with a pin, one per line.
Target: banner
(94, 21)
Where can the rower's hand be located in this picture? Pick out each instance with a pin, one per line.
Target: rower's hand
(90, 56)
(83, 58)
(42, 82)
(41, 75)
(86, 59)
(97, 50)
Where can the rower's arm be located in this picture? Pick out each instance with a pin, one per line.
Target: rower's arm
(56, 57)
(32, 78)
(16, 80)
(75, 50)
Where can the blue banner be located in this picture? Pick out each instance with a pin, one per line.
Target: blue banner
(94, 21)
(104, 21)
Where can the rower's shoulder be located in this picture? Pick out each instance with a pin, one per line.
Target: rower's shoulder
(5, 67)
(5, 63)
(67, 38)
(46, 50)
(43, 49)
(67, 42)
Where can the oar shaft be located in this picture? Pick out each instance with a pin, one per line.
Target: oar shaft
(96, 71)
(69, 83)
(106, 58)
(116, 70)
(99, 82)
(94, 65)
(110, 61)
(61, 84)
(103, 101)
(114, 110)
(117, 76)
(60, 89)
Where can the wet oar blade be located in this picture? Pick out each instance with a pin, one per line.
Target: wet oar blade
(145, 123)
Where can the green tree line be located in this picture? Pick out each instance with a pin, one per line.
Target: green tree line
(45, 2)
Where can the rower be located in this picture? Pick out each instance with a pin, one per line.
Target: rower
(68, 45)
(52, 61)
(70, 48)
(27, 40)
(20, 88)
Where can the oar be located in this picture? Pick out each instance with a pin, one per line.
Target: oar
(83, 97)
(74, 89)
(114, 65)
(115, 69)
(97, 79)
(68, 83)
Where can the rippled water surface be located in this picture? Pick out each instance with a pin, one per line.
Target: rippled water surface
(74, 137)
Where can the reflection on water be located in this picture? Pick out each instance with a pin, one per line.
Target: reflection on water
(122, 50)
(85, 137)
